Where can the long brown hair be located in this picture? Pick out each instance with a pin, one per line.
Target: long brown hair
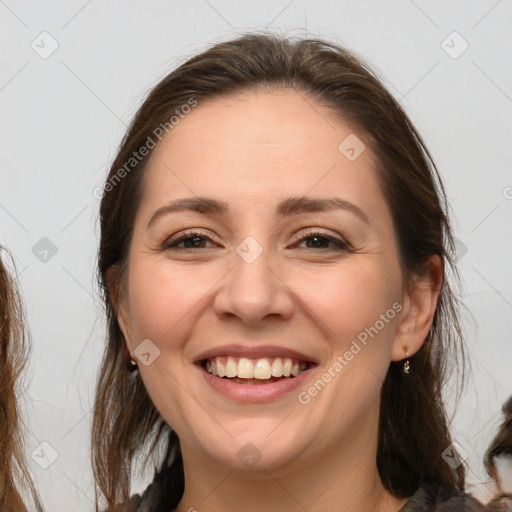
(414, 427)
(14, 474)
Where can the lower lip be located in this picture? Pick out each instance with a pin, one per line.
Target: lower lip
(254, 392)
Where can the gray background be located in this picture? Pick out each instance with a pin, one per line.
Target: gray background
(63, 117)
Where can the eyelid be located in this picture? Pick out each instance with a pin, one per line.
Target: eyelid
(333, 237)
(187, 233)
(316, 231)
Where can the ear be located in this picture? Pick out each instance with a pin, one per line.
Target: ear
(119, 299)
(419, 306)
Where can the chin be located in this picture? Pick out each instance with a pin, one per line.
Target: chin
(255, 448)
(253, 458)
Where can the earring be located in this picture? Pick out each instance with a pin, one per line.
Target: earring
(407, 365)
(133, 369)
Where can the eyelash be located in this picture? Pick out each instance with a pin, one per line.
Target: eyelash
(188, 235)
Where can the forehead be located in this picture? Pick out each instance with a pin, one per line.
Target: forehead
(258, 146)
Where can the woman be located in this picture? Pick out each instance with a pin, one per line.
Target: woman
(498, 462)
(14, 475)
(274, 245)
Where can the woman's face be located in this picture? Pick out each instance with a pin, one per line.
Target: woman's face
(292, 263)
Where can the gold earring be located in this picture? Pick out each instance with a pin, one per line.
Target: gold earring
(132, 365)
(406, 366)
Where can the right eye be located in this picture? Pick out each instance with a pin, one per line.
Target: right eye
(191, 239)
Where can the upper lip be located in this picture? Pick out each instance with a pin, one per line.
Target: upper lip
(254, 352)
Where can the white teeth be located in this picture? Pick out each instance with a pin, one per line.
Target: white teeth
(221, 371)
(231, 367)
(277, 367)
(245, 368)
(262, 369)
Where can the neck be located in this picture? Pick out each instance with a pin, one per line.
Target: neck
(345, 478)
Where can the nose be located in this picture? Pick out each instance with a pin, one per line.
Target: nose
(253, 290)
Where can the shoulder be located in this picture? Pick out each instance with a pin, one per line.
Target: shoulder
(431, 497)
(148, 502)
(501, 503)
(163, 493)
(136, 503)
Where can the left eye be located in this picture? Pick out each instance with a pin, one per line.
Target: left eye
(321, 238)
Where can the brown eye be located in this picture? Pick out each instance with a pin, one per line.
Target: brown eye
(320, 240)
(190, 239)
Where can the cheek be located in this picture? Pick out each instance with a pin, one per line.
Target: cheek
(353, 307)
(163, 302)
(161, 298)
(357, 308)
(347, 299)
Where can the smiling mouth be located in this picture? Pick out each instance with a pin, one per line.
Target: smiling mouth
(265, 370)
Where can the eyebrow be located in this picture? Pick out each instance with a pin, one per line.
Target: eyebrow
(288, 207)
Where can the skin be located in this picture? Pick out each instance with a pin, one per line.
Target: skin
(258, 148)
